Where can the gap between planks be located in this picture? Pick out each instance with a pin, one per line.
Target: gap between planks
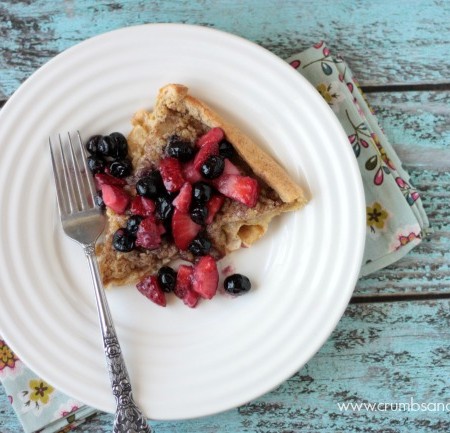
(407, 297)
(397, 87)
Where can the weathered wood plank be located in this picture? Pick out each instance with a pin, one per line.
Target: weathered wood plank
(379, 353)
(381, 42)
(418, 125)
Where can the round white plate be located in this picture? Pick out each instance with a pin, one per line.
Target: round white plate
(183, 362)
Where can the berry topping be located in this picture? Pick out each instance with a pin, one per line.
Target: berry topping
(214, 135)
(150, 186)
(119, 145)
(237, 284)
(190, 173)
(123, 241)
(133, 223)
(142, 206)
(149, 287)
(120, 168)
(115, 198)
(149, 233)
(205, 277)
(208, 149)
(200, 246)
(183, 199)
(230, 168)
(96, 164)
(171, 174)
(105, 146)
(184, 230)
(103, 178)
(167, 278)
(183, 286)
(214, 204)
(180, 149)
(201, 192)
(164, 207)
(98, 199)
(92, 144)
(183, 281)
(226, 149)
(199, 213)
(244, 189)
(213, 167)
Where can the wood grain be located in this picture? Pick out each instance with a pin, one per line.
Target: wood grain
(379, 353)
(384, 45)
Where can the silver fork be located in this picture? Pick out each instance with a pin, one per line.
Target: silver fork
(83, 221)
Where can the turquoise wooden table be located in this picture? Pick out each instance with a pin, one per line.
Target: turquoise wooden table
(393, 342)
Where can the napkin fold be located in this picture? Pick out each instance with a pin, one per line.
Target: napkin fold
(395, 221)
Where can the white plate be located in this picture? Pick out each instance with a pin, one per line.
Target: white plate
(183, 363)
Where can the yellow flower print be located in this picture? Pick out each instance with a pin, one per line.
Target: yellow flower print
(376, 216)
(324, 90)
(7, 356)
(40, 391)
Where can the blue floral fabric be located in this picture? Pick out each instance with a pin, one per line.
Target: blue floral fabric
(395, 219)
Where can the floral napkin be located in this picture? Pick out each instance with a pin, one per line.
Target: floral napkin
(395, 218)
(39, 406)
(395, 223)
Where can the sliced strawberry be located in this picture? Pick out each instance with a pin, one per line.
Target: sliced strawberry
(103, 178)
(150, 288)
(191, 298)
(142, 206)
(230, 168)
(208, 149)
(190, 173)
(183, 286)
(244, 189)
(184, 280)
(205, 277)
(115, 198)
(184, 230)
(214, 135)
(214, 204)
(171, 173)
(183, 200)
(149, 233)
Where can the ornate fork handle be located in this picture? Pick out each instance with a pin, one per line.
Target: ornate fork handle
(129, 418)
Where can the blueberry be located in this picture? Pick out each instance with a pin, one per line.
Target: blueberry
(200, 246)
(198, 213)
(151, 185)
(213, 167)
(164, 207)
(92, 144)
(201, 192)
(133, 223)
(105, 146)
(119, 148)
(96, 164)
(98, 200)
(237, 284)
(123, 240)
(180, 149)
(226, 149)
(167, 278)
(120, 168)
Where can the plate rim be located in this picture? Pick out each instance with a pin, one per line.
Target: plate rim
(353, 278)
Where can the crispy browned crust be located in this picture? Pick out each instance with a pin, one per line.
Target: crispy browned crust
(235, 225)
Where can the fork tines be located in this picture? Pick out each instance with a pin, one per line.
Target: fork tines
(75, 185)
